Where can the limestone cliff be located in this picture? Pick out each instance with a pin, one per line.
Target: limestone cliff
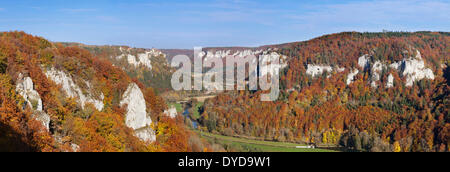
(25, 87)
(136, 116)
(171, 112)
(72, 89)
(144, 59)
(413, 69)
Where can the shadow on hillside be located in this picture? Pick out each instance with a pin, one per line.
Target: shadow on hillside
(338, 149)
(447, 75)
(11, 141)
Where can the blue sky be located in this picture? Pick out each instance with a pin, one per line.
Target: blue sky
(185, 24)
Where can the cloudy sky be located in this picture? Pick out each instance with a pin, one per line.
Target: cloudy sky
(186, 24)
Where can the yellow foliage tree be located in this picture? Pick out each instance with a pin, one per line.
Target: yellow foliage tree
(397, 147)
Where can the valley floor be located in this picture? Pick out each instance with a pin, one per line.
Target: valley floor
(235, 144)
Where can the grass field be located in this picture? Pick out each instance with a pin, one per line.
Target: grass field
(178, 106)
(248, 145)
(196, 110)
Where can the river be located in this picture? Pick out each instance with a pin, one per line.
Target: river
(186, 115)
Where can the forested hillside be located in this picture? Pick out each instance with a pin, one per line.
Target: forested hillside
(359, 91)
(362, 91)
(149, 66)
(55, 97)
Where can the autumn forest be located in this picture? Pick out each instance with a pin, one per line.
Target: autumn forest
(351, 91)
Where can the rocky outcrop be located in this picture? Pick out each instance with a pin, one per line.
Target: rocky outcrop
(171, 112)
(351, 76)
(146, 134)
(377, 67)
(317, 70)
(73, 90)
(144, 59)
(136, 116)
(25, 87)
(226, 53)
(413, 69)
(390, 81)
(74, 147)
(132, 60)
(340, 69)
(364, 62)
(264, 56)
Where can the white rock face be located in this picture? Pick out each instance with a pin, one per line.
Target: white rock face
(171, 112)
(414, 70)
(132, 60)
(146, 134)
(395, 65)
(351, 76)
(71, 89)
(143, 59)
(226, 53)
(75, 147)
(364, 62)
(136, 117)
(340, 69)
(317, 70)
(390, 82)
(155, 52)
(377, 67)
(264, 56)
(25, 88)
